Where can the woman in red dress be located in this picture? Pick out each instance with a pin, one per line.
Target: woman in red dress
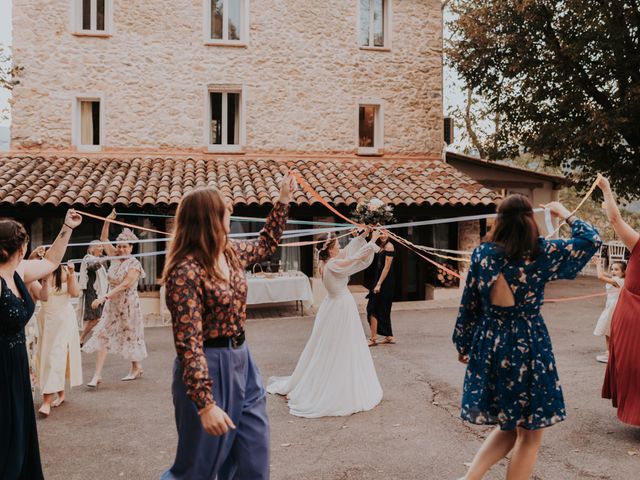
(622, 380)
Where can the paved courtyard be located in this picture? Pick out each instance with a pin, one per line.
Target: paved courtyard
(126, 430)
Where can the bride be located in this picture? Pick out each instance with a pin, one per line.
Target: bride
(335, 375)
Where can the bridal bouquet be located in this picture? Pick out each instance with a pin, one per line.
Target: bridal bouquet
(373, 212)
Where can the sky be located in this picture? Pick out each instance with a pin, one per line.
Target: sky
(5, 39)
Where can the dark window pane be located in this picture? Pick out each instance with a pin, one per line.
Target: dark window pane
(216, 118)
(235, 19)
(100, 15)
(95, 113)
(233, 119)
(364, 22)
(378, 23)
(86, 14)
(367, 126)
(216, 18)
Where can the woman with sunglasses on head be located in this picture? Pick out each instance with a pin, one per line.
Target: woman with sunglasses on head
(121, 326)
(219, 399)
(511, 379)
(19, 451)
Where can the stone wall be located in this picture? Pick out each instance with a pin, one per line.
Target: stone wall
(302, 70)
(468, 235)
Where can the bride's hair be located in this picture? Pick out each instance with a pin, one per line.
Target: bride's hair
(324, 247)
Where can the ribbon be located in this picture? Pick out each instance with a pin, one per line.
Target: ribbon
(123, 224)
(584, 199)
(309, 189)
(548, 222)
(570, 299)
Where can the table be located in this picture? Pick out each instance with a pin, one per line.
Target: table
(279, 287)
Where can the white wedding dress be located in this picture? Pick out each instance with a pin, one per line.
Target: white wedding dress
(335, 375)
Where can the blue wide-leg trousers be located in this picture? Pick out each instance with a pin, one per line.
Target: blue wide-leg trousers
(241, 454)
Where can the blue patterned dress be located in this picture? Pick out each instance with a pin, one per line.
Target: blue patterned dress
(511, 379)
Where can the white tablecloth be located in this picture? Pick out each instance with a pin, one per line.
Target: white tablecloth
(288, 287)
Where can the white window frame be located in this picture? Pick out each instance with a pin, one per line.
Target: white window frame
(76, 122)
(387, 24)
(378, 134)
(76, 19)
(225, 88)
(224, 41)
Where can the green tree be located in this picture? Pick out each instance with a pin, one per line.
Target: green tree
(8, 75)
(561, 78)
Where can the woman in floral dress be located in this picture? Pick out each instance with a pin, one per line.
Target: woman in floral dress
(511, 379)
(121, 327)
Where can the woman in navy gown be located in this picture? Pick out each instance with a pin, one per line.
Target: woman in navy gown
(19, 452)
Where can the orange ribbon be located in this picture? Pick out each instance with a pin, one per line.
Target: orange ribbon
(410, 246)
(123, 224)
(309, 189)
(310, 242)
(569, 299)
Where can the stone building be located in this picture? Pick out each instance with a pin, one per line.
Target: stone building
(127, 105)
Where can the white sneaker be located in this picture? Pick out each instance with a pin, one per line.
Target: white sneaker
(603, 358)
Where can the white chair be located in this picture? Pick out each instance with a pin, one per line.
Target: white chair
(616, 251)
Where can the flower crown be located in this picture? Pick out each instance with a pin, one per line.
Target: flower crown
(126, 235)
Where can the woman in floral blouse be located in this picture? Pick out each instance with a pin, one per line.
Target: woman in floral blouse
(511, 379)
(219, 399)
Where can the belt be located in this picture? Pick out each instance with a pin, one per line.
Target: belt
(223, 342)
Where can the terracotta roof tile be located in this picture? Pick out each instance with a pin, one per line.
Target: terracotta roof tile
(161, 181)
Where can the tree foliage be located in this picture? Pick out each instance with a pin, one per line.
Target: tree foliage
(562, 79)
(8, 74)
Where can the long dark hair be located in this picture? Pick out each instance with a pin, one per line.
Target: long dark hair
(199, 232)
(57, 278)
(516, 231)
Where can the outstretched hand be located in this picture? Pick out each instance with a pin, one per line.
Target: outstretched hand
(288, 185)
(72, 219)
(603, 184)
(558, 210)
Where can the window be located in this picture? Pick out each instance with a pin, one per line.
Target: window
(92, 17)
(370, 128)
(375, 23)
(226, 22)
(88, 124)
(225, 118)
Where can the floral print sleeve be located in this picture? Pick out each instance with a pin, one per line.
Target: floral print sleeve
(184, 296)
(470, 307)
(565, 258)
(255, 251)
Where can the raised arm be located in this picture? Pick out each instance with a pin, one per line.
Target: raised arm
(603, 277)
(72, 282)
(255, 251)
(357, 261)
(355, 244)
(32, 270)
(104, 235)
(39, 290)
(626, 233)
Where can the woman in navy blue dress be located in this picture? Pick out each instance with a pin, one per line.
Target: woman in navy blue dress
(19, 452)
(511, 379)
